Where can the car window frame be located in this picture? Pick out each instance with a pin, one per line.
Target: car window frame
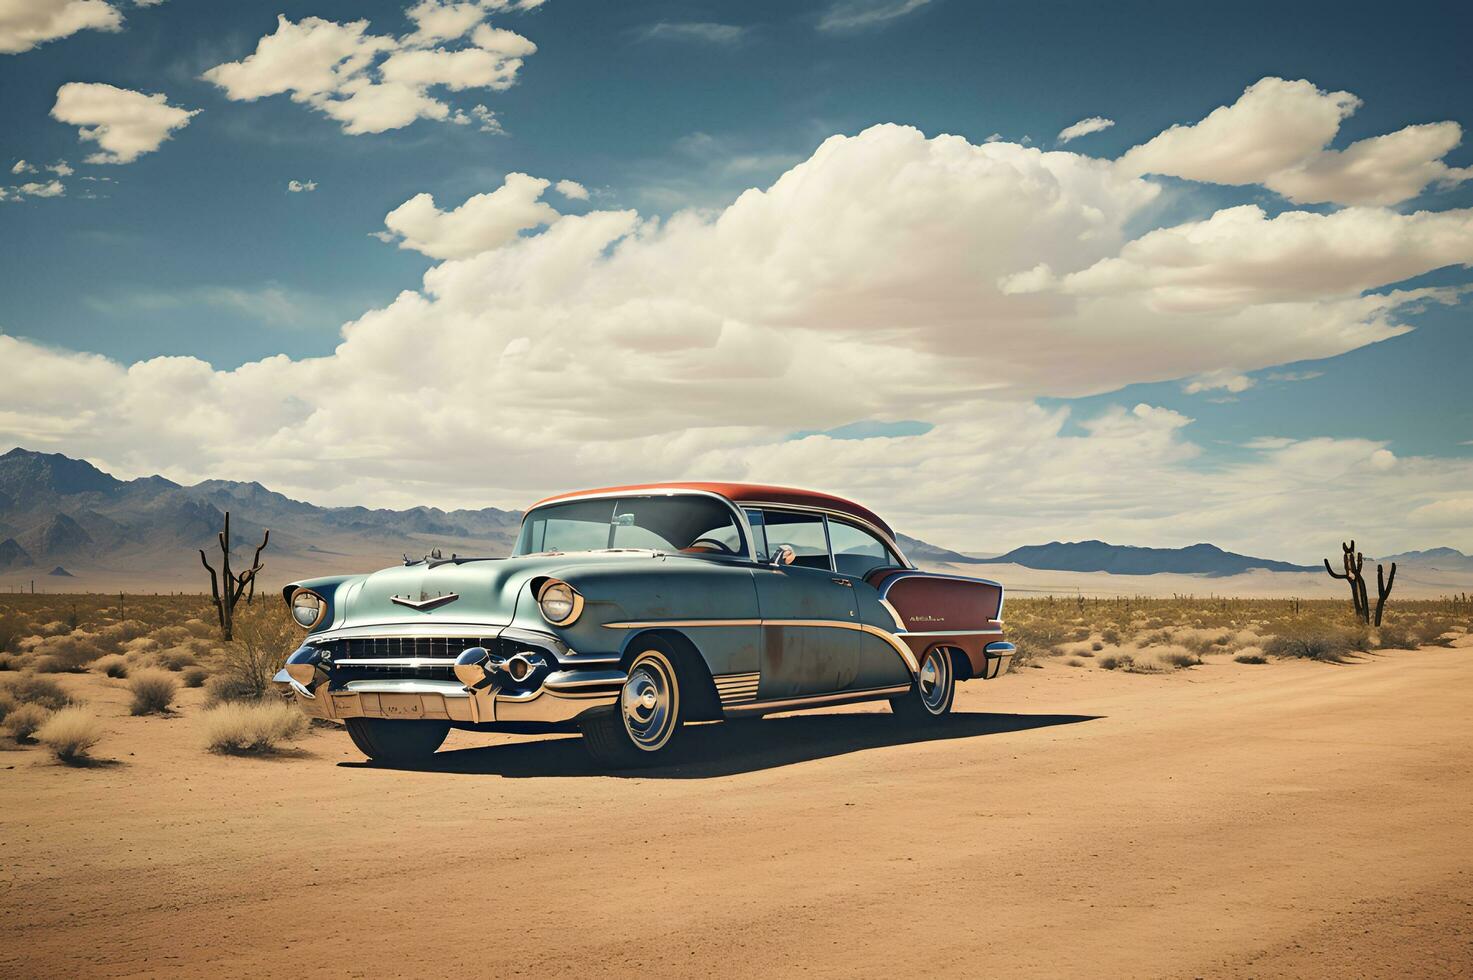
(892, 558)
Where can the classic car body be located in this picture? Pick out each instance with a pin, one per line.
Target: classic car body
(626, 611)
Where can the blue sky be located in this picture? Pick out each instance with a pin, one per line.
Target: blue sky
(198, 249)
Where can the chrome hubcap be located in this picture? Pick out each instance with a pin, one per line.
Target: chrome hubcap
(648, 704)
(935, 680)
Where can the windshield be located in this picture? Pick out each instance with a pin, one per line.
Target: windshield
(686, 523)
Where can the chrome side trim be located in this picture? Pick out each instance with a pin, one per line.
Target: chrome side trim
(736, 688)
(426, 603)
(945, 633)
(789, 704)
(640, 624)
(391, 631)
(906, 654)
(574, 681)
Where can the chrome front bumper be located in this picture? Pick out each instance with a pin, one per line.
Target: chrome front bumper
(564, 696)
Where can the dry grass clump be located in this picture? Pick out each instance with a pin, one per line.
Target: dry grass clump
(175, 659)
(30, 689)
(194, 676)
(113, 665)
(263, 639)
(153, 692)
(23, 721)
(1116, 661)
(1250, 655)
(244, 728)
(70, 734)
(1178, 657)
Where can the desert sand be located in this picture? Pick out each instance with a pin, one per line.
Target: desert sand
(1294, 819)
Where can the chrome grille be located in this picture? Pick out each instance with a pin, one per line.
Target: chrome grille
(407, 647)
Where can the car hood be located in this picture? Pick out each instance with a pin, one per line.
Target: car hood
(486, 591)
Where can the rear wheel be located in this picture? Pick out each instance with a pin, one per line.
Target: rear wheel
(397, 741)
(646, 719)
(934, 689)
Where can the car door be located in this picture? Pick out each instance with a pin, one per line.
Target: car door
(809, 615)
(856, 553)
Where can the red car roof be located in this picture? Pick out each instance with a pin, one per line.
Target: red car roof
(746, 493)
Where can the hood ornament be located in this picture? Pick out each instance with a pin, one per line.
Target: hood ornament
(425, 602)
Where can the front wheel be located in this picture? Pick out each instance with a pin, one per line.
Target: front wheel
(391, 740)
(646, 719)
(934, 690)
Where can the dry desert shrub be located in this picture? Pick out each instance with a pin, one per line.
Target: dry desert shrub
(1250, 655)
(30, 689)
(113, 665)
(1177, 657)
(153, 692)
(23, 721)
(194, 676)
(245, 728)
(70, 734)
(66, 654)
(1114, 661)
(263, 639)
(1074, 662)
(9, 661)
(7, 705)
(176, 658)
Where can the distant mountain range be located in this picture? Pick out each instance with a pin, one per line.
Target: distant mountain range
(68, 516)
(1442, 559)
(1119, 559)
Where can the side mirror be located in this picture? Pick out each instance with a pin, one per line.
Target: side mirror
(784, 554)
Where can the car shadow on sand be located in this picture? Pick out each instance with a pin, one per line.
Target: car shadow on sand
(706, 751)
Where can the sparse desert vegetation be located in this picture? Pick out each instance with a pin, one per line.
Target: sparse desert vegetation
(239, 728)
(23, 721)
(153, 691)
(1148, 635)
(70, 734)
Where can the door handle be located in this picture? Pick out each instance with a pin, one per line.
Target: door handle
(842, 581)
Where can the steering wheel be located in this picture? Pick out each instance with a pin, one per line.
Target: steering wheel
(721, 548)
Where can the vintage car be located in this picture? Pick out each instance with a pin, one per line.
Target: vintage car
(627, 611)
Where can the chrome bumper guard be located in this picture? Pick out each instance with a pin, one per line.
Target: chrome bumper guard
(997, 655)
(474, 698)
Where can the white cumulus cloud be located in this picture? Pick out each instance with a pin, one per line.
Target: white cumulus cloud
(887, 276)
(1094, 124)
(1277, 134)
(301, 186)
(24, 24)
(123, 123)
(572, 190)
(372, 83)
(483, 222)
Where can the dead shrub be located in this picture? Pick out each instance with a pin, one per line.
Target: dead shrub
(1110, 635)
(9, 661)
(251, 728)
(113, 665)
(1310, 641)
(1074, 662)
(1178, 658)
(194, 676)
(1115, 661)
(175, 659)
(70, 734)
(153, 692)
(263, 639)
(7, 705)
(23, 721)
(1395, 636)
(1250, 658)
(66, 654)
(30, 689)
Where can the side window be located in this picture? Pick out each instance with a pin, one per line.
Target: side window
(856, 551)
(759, 535)
(804, 533)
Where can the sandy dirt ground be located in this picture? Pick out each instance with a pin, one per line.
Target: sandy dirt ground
(1295, 819)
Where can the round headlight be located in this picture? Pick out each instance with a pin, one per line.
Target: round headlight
(307, 608)
(559, 602)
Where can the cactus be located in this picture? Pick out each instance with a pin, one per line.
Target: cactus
(235, 584)
(1353, 561)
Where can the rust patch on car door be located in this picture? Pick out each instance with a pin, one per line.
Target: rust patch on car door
(772, 650)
